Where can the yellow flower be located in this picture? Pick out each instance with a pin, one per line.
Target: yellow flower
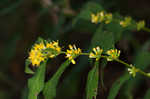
(140, 25)
(36, 57)
(113, 54)
(108, 18)
(72, 53)
(41, 51)
(94, 18)
(101, 16)
(132, 70)
(126, 22)
(97, 53)
(39, 46)
(54, 47)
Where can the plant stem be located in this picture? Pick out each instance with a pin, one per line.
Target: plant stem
(122, 62)
(130, 66)
(146, 29)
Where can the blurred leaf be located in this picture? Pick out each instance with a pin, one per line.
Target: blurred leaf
(142, 59)
(27, 69)
(87, 10)
(92, 82)
(82, 21)
(36, 83)
(50, 87)
(147, 95)
(117, 84)
(102, 38)
(116, 29)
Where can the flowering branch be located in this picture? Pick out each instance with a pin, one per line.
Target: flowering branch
(43, 50)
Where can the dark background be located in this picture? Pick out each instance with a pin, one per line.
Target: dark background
(23, 21)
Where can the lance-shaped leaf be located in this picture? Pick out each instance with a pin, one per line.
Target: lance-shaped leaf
(92, 82)
(117, 84)
(27, 69)
(102, 38)
(36, 83)
(50, 87)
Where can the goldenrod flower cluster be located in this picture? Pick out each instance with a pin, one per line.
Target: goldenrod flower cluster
(113, 54)
(140, 25)
(44, 50)
(39, 52)
(96, 53)
(107, 18)
(53, 49)
(132, 70)
(101, 17)
(72, 52)
(126, 22)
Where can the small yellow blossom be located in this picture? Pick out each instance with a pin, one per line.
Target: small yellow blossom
(41, 51)
(39, 46)
(94, 18)
(148, 74)
(113, 54)
(72, 53)
(101, 16)
(36, 57)
(132, 70)
(126, 22)
(108, 18)
(96, 53)
(54, 47)
(140, 25)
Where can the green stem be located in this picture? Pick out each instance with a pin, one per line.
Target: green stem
(146, 29)
(84, 53)
(143, 73)
(122, 62)
(130, 66)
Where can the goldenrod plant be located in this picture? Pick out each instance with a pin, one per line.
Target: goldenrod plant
(103, 49)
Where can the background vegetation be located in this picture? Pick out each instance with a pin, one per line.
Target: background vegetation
(23, 21)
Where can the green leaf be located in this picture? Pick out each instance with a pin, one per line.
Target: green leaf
(87, 10)
(50, 87)
(102, 38)
(83, 20)
(147, 95)
(92, 82)
(116, 29)
(117, 84)
(27, 69)
(36, 83)
(142, 59)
